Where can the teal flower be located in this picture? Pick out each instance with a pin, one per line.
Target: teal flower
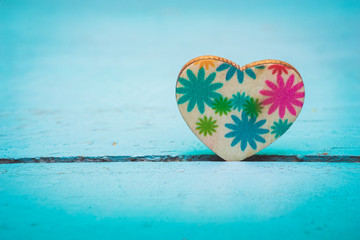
(279, 128)
(222, 105)
(232, 70)
(260, 67)
(245, 131)
(206, 126)
(198, 90)
(239, 100)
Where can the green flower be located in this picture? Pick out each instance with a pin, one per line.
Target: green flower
(239, 100)
(279, 128)
(198, 90)
(206, 126)
(252, 107)
(222, 105)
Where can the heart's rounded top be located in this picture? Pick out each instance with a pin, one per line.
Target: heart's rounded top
(237, 111)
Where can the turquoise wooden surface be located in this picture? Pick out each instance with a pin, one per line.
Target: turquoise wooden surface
(209, 200)
(98, 79)
(77, 78)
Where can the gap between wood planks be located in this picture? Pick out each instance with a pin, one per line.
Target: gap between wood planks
(184, 158)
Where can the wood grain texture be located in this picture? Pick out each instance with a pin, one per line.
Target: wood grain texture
(98, 79)
(192, 200)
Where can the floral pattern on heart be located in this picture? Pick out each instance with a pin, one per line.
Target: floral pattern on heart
(283, 96)
(198, 90)
(245, 131)
(237, 112)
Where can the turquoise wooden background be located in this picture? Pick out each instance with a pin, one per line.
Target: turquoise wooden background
(76, 78)
(97, 78)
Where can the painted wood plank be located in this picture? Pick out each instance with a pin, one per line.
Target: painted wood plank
(202, 200)
(98, 79)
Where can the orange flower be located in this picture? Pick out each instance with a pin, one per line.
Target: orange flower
(206, 63)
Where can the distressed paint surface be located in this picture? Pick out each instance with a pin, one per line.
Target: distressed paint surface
(84, 79)
(193, 200)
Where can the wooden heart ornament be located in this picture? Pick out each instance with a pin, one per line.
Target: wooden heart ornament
(238, 111)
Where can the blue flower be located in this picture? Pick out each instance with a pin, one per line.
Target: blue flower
(260, 67)
(198, 90)
(246, 131)
(279, 128)
(232, 70)
(239, 100)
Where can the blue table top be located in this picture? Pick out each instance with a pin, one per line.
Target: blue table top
(98, 79)
(193, 200)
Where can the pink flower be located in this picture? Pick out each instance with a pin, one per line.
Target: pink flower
(283, 95)
(277, 68)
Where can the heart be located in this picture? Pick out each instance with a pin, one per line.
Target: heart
(238, 111)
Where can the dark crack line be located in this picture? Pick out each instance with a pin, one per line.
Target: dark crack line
(184, 158)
